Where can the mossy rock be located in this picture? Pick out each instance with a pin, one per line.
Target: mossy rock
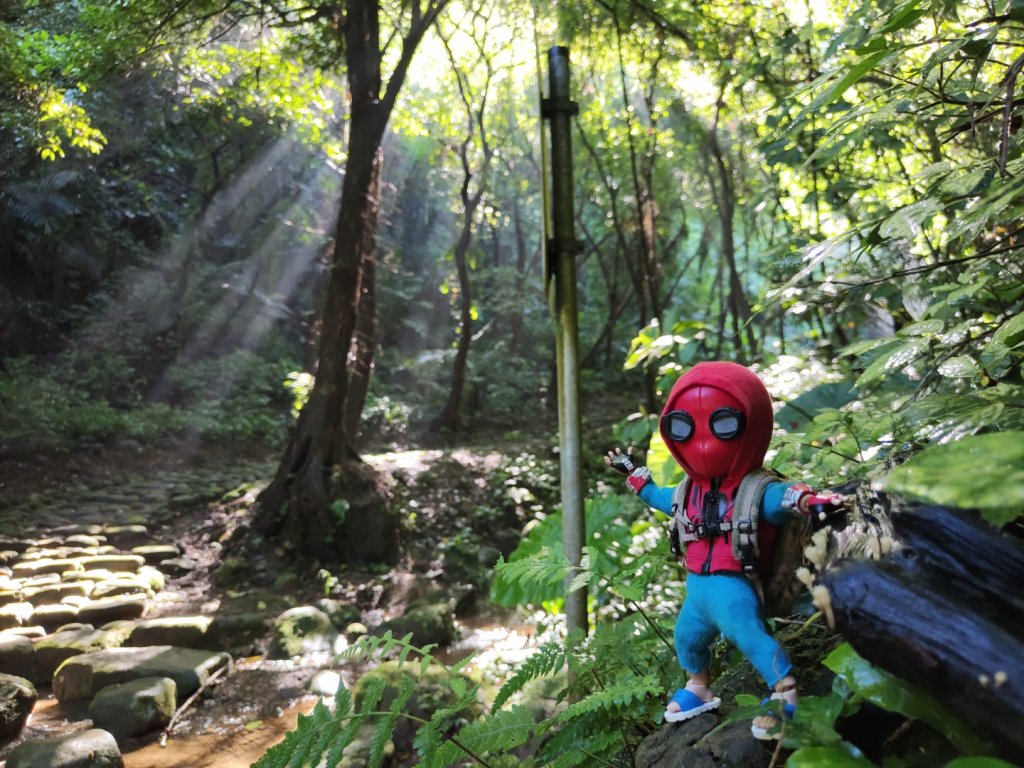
(17, 697)
(136, 707)
(342, 614)
(232, 572)
(74, 640)
(431, 623)
(302, 630)
(94, 748)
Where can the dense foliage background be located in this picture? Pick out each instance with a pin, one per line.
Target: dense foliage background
(827, 191)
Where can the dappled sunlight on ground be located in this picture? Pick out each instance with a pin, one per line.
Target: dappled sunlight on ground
(414, 462)
(231, 749)
(493, 645)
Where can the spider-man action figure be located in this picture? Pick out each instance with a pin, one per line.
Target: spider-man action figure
(717, 424)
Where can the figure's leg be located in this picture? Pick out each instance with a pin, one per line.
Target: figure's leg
(738, 614)
(744, 627)
(693, 637)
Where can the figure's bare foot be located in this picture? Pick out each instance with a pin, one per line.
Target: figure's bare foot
(766, 727)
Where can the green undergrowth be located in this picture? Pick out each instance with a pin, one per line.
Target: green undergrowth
(420, 712)
(105, 397)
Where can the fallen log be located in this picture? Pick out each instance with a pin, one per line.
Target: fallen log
(933, 595)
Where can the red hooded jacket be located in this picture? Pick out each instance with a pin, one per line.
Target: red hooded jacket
(713, 464)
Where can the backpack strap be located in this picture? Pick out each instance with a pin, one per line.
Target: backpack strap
(745, 513)
(679, 520)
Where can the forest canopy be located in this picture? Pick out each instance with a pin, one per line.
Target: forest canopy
(754, 180)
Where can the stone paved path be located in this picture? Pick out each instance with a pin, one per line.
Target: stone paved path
(108, 582)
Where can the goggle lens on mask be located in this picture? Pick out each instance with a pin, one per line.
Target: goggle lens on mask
(678, 425)
(727, 423)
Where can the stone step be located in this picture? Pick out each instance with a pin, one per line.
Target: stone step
(156, 553)
(94, 748)
(17, 697)
(29, 568)
(74, 640)
(108, 609)
(81, 677)
(127, 536)
(136, 707)
(180, 631)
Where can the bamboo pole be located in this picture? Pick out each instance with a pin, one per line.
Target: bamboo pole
(562, 248)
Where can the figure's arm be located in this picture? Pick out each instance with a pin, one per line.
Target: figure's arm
(640, 482)
(781, 500)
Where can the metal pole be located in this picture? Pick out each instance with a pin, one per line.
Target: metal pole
(562, 248)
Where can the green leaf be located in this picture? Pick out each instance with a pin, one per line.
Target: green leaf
(798, 412)
(815, 719)
(903, 17)
(895, 695)
(853, 74)
(621, 694)
(981, 471)
(922, 328)
(907, 221)
(1010, 333)
(665, 470)
(978, 762)
(545, 661)
(498, 733)
(959, 367)
(996, 360)
(892, 361)
(837, 756)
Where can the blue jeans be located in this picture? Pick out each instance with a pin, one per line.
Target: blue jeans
(726, 604)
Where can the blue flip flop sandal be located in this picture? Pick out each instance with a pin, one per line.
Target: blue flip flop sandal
(690, 705)
(773, 731)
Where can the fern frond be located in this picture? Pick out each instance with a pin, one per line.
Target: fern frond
(426, 743)
(498, 733)
(547, 659)
(372, 693)
(369, 647)
(296, 751)
(583, 745)
(429, 738)
(626, 692)
(386, 725)
(549, 566)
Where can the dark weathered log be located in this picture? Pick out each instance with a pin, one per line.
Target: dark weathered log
(988, 567)
(933, 595)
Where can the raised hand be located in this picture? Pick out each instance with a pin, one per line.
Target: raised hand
(621, 462)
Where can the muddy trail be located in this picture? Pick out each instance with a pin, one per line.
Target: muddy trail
(109, 560)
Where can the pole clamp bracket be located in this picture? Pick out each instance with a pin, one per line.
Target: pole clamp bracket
(558, 106)
(558, 245)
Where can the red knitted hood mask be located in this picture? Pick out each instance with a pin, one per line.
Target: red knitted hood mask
(726, 391)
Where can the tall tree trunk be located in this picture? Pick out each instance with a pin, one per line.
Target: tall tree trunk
(475, 105)
(364, 344)
(324, 502)
(726, 214)
(516, 322)
(449, 418)
(316, 471)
